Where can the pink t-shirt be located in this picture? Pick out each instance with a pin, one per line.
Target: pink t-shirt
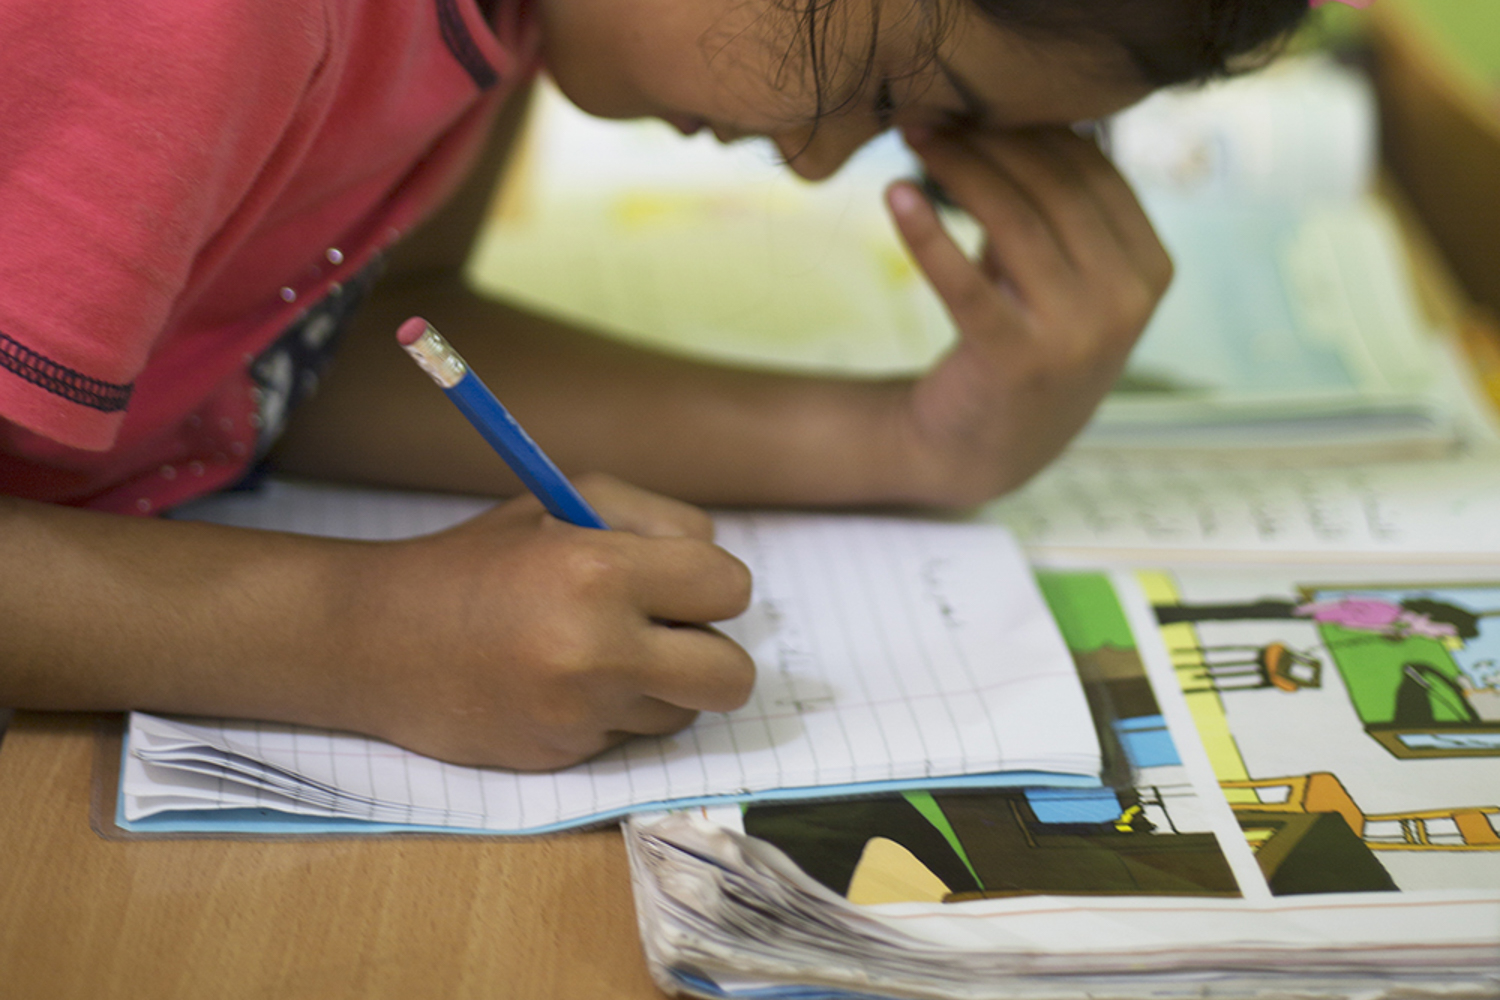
(180, 180)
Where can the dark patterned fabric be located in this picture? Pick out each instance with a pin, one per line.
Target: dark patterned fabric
(72, 385)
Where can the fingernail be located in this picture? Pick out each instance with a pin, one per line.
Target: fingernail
(903, 198)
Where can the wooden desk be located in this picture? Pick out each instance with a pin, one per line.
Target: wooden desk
(399, 917)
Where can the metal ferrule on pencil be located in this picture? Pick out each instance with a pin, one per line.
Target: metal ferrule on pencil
(437, 359)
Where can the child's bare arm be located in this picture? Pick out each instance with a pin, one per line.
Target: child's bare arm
(701, 432)
(1047, 317)
(107, 612)
(512, 639)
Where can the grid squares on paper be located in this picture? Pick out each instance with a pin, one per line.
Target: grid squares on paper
(887, 649)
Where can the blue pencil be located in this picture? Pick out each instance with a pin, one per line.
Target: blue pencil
(475, 401)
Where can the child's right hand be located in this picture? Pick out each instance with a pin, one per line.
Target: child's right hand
(517, 640)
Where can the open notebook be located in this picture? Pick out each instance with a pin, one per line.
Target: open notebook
(1326, 831)
(890, 652)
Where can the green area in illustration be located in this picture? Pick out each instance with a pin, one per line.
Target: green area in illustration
(1378, 671)
(927, 806)
(1087, 611)
(1117, 839)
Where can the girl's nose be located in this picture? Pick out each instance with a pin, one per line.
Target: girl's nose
(817, 153)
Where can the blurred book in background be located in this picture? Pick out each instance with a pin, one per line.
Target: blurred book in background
(1292, 322)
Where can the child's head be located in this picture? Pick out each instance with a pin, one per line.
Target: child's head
(1166, 41)
(820, 77)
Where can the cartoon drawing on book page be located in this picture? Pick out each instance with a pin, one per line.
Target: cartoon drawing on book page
(1144, 832)
(1354, 729)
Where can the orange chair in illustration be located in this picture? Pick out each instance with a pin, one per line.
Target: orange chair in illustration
(1467, 828)
(1274, 665)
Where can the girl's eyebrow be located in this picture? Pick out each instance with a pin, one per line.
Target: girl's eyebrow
(976, 111)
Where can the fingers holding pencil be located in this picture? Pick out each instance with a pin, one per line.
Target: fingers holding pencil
(526, 642)
(566, 639)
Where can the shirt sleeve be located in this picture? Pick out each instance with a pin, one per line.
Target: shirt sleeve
(131, 129)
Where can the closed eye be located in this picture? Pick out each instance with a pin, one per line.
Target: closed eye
(885, 105)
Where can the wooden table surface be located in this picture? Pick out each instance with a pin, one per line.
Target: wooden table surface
(82, 915)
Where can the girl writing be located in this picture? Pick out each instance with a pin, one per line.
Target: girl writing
(195, 203)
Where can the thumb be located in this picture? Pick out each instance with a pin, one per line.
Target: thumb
(641, 512)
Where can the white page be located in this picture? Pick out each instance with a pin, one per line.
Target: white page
(1449, 508)
(887, 649)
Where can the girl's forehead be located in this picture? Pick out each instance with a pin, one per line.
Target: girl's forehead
(1015, 80)
(992, 76)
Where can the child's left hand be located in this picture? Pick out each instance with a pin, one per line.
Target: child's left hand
(1067, 279)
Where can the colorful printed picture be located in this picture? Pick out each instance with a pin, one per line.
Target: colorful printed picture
(1143, 834)
(1355, 729)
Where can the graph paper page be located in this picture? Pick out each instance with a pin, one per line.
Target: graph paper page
(887, 650)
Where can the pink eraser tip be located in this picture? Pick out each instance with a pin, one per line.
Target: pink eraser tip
(410, 331)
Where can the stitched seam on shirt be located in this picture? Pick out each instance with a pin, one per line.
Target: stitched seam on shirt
(72, 385)
(456, 36)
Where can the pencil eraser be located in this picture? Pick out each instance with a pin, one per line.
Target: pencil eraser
(410, 331)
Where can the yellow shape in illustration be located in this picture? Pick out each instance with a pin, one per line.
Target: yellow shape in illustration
(1213, 729)
(1241, 796)
(1158, 586)
(1206, 707)
(889, 873)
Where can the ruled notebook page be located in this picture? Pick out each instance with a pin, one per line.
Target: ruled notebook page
(887, 650)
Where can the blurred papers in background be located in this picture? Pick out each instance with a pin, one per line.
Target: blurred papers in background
(1291, 330)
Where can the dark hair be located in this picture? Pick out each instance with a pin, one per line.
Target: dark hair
(1168, 41)
(1465, 622)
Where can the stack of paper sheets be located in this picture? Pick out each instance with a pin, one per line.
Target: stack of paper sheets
(723, 915)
